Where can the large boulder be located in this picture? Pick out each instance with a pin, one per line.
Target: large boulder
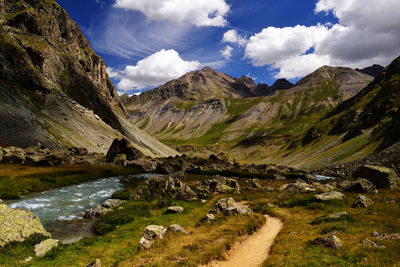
(220, 185)
(323, 187)
(381, 177)
(150, 235)
(228, 206)
(18, 225)
(334, 195)
(360, 185)
(177, 228)
(329, 241)
(96, 211)
(45, 246)
(298, 187)
(112, 203)
(362, 202)
(164, 186)
(123, 146)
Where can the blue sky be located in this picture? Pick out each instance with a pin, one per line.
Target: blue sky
(148, 42)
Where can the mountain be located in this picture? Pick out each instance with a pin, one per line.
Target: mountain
(54, 89)
(373, 70)
(281, 84)
(242, 126)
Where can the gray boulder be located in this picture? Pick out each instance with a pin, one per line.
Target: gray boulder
(371, 244)
(228, 206)
(220, 185)
(18, 225)
(361, 185)
(208, 218)
(175, 209)
(381, 177)
(112, 203)
(150, 235)
(334, 195)
(323, 187)
(337, 215)
(381, 236)
(329, 241)
(177, 228)
(297, 187)
(45, 246)
(96, 211)
(362, 202)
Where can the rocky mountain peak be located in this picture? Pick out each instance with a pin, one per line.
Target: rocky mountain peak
(373, 70)
(281, 84)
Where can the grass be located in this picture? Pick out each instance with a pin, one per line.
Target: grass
(16, 180)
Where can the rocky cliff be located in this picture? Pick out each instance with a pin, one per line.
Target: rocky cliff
(54, 88)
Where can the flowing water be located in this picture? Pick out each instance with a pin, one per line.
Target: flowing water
(322, 177)
(61, 210)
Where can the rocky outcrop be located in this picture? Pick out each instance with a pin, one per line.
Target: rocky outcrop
(360, 186)
(382, 236)
(164, 187)
(123, 147)
(45, 246)
(104, 208)
(220, 185)
(228, 206)
(281, 84)
(18, 225)
(150, 235)
(330, 241)
(177, 228)
(381, 177)
(373, 70)
(371, 244)
(362, 202)
(298, 187)
(334, 195)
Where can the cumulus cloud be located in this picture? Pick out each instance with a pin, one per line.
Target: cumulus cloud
(197, 12)
(366, 34)
(227, 52)
(232, 36)
(154, 70)
(112, 74)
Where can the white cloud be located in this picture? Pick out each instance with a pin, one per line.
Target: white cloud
(227, 52)
(366, 33)
(197, 12)
(154, 70)
(232, 36)
(112, 74)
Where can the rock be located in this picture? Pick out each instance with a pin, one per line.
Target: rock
(174, 209)
(96, 211)
(337, 215)
(123, 146)
(37, 161)
(220, 185)
(27, 260)
(177, 228)
(147, 165)
(18, 225)
(323, 187)
(362, 202)
(120, 159)
(45, 246)
(278, 176)
(329, 196)
(371, 244)
(269, 189)
(203, 201)
(228, 206)
(208, 218)
(95, 263)
(297, 187)
(164, 186)
(330, 241)
(361, 185)
(381, 177)
(255, 184)
(381, 236)
(150, 235)
(112, 203)
(12, 159)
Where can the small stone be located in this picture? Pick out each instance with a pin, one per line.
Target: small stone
(150, 235)
(371, 244)
(362, 202)
(26, 260)
(95, 263)
(337, 215)
(330, 241)
(334, 195)
(45, 246)
(209, 217)
(255, 184)
(177, 228)
(203, 201)
(174, 209)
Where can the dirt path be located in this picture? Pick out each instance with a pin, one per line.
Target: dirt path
(254, 249)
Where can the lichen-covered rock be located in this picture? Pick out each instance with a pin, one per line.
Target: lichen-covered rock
(362, 202)
(95, 263)
(177, 228)
(45, 246)
(323, 187)
(18, 225)
(381, 177)
(297, 187)
(174, 209)
(361, 185)
(164, 187)
(208, 218)
(334, 195)
(381, 236)
(371, 244)
(220, 185)
(228, 206)
(150, 235)
(96, 211)
(329, 241)
(112, 203)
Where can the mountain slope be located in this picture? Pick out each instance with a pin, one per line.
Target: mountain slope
(244, 126)
(54, 88)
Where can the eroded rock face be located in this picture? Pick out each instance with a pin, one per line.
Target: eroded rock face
(150, 235)
(381, 177)
(18, 225)
(334, 195)
(330, 241)
(123, 147)
(164, 186)
(45, 246)
(362, 202)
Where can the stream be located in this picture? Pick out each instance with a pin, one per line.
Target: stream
(61, 210)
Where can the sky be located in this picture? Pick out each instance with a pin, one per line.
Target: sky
(146, 43)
